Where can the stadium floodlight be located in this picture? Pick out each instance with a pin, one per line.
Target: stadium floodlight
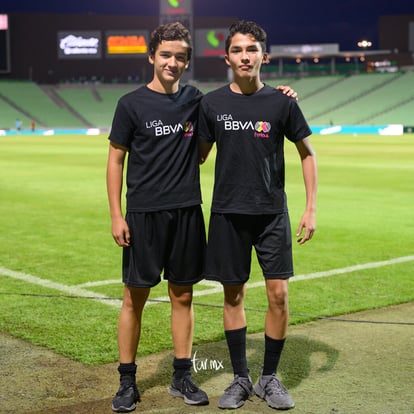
(364, 43)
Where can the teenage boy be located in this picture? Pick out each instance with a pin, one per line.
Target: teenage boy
(164, 228)
(248, 121)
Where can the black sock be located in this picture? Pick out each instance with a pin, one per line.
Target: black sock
(127, 373)
(236, 342)
(182, 366)
(273, 350)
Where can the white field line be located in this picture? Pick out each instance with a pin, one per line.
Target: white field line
(316, 275)
(69, 290)
(99, 283)
(115, 281)
(79, 291)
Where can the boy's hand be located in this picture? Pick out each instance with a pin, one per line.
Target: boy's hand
(120, 232)
(307, 223)
(287, 90)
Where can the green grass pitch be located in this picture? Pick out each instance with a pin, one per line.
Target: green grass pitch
(59, 266)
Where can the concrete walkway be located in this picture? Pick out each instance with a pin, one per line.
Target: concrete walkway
(359, 363)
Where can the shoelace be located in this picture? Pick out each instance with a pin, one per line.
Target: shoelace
(233, 388)
(274, 386)
(125, 387)
(188, 385)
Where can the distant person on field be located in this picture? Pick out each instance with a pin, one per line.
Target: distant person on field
(248, 121)
(163, 230)
(33, 126)
(18, 124)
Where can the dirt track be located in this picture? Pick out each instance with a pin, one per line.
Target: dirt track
(329, 367)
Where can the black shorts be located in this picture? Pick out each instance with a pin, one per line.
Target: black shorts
(230, 241)
(172, 241)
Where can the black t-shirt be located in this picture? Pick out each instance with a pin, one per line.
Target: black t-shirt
(159, 132)
(249, 132)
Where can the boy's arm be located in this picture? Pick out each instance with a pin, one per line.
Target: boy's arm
(114, 179)
(203, 150)
(310, 176)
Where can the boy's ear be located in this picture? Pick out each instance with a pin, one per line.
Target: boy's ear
(266, 58)
(226, 59)
(151, 59)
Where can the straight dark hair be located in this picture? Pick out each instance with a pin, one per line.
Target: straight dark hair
(247, 27)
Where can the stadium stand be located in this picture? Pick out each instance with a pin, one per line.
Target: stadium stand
(400, 113)
(31, 102)
(321, 106)
(96, 102)
(360, 99)
(308, 86)
(393, 102)
(9, 114)
(367, 97)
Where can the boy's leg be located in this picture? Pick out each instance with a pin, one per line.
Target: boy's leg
(182, 319)
(182, 328)
(234, 315)
(268, 387)
(235, 327)
(277, 315)
(129, 324)
(235, 330)
(276, 323)
(129, 330)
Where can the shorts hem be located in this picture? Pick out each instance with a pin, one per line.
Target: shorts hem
(226, 282)
(185, 282)
(140, 285)
(278, 276)
(214, 278)
(175, 282)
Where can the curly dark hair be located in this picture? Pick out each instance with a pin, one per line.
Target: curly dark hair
(247, 27)
(170, 31)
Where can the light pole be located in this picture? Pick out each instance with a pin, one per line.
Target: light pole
(364, 45)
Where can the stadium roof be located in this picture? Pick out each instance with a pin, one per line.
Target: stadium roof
(322, 55)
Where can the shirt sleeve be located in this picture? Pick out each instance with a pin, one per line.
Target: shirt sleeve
(122, 129)
(297, 127)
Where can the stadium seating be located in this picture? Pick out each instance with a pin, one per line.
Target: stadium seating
(95, 103)
(392, 103)
(360, 99)
(34, 104)
(9, 115)
(307, 86)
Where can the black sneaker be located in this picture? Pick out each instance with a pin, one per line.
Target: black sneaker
(185, 388)
(240, 390)
(126, 398)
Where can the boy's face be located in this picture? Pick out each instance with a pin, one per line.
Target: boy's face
(245, 56)
(170, 60)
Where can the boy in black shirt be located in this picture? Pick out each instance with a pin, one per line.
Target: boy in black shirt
(248, 121)
(164, 227)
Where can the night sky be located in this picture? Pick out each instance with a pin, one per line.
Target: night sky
(289, 22)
